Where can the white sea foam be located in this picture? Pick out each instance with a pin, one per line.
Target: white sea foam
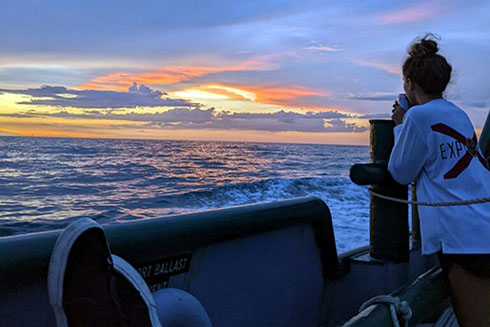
(46, 183)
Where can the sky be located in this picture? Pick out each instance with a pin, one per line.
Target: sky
(260, 71)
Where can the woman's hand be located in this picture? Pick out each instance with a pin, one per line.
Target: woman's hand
(398, 113)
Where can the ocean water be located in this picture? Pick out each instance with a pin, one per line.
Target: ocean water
(45, 183)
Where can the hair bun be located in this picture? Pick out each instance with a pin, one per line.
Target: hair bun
(426, 67)
(425, 47)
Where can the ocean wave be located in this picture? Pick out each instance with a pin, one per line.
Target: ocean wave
(338, 192)
(47, 183)
(348, 203)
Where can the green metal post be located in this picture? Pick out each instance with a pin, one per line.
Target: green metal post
(415, 215)
(485, 138)
(389, 235)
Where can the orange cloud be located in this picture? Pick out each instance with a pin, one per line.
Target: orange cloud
(215, 92)
(233, 93)
(121, 81)
(282, 95)
(265, 94)
(389, 68)
(417, 13)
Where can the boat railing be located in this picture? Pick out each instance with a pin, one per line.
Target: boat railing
(260, 259)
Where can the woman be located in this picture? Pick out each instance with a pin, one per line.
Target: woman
(436, 146)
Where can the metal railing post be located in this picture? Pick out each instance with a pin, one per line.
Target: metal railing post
(415, 215)
(485, 138)
(388, 229)
(388, 232)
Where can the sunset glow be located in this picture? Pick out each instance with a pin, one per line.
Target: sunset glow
(282, 96)
(296, 72)
(415, 13)
(199, 94)
(121, 81)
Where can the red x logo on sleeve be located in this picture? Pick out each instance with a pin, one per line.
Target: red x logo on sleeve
(471, 150)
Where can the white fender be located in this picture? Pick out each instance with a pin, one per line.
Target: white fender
(178, 308)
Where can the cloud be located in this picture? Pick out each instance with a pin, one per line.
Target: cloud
(375, 116)
(172, 75)
(289, 95)
(288, 116)
(178, 115)
(233, 92)
(320, 47)
(374, 96)
(19, 115)
(281, 121)
(197, 118)
(4, 133)
(387, 67)
(59, 96)
(428, 10)
(283, 95)
(482, 104)
(340, 126)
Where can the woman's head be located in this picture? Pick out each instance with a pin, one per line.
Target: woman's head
(429, 70)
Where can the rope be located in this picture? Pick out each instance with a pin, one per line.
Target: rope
(399, 310)
(431, 204)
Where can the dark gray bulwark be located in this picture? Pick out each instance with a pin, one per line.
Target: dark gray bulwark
(254, 265)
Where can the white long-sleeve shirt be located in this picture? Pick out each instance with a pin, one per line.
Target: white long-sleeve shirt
(431, 149)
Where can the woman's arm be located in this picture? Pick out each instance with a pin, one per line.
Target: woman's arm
(409, 153)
